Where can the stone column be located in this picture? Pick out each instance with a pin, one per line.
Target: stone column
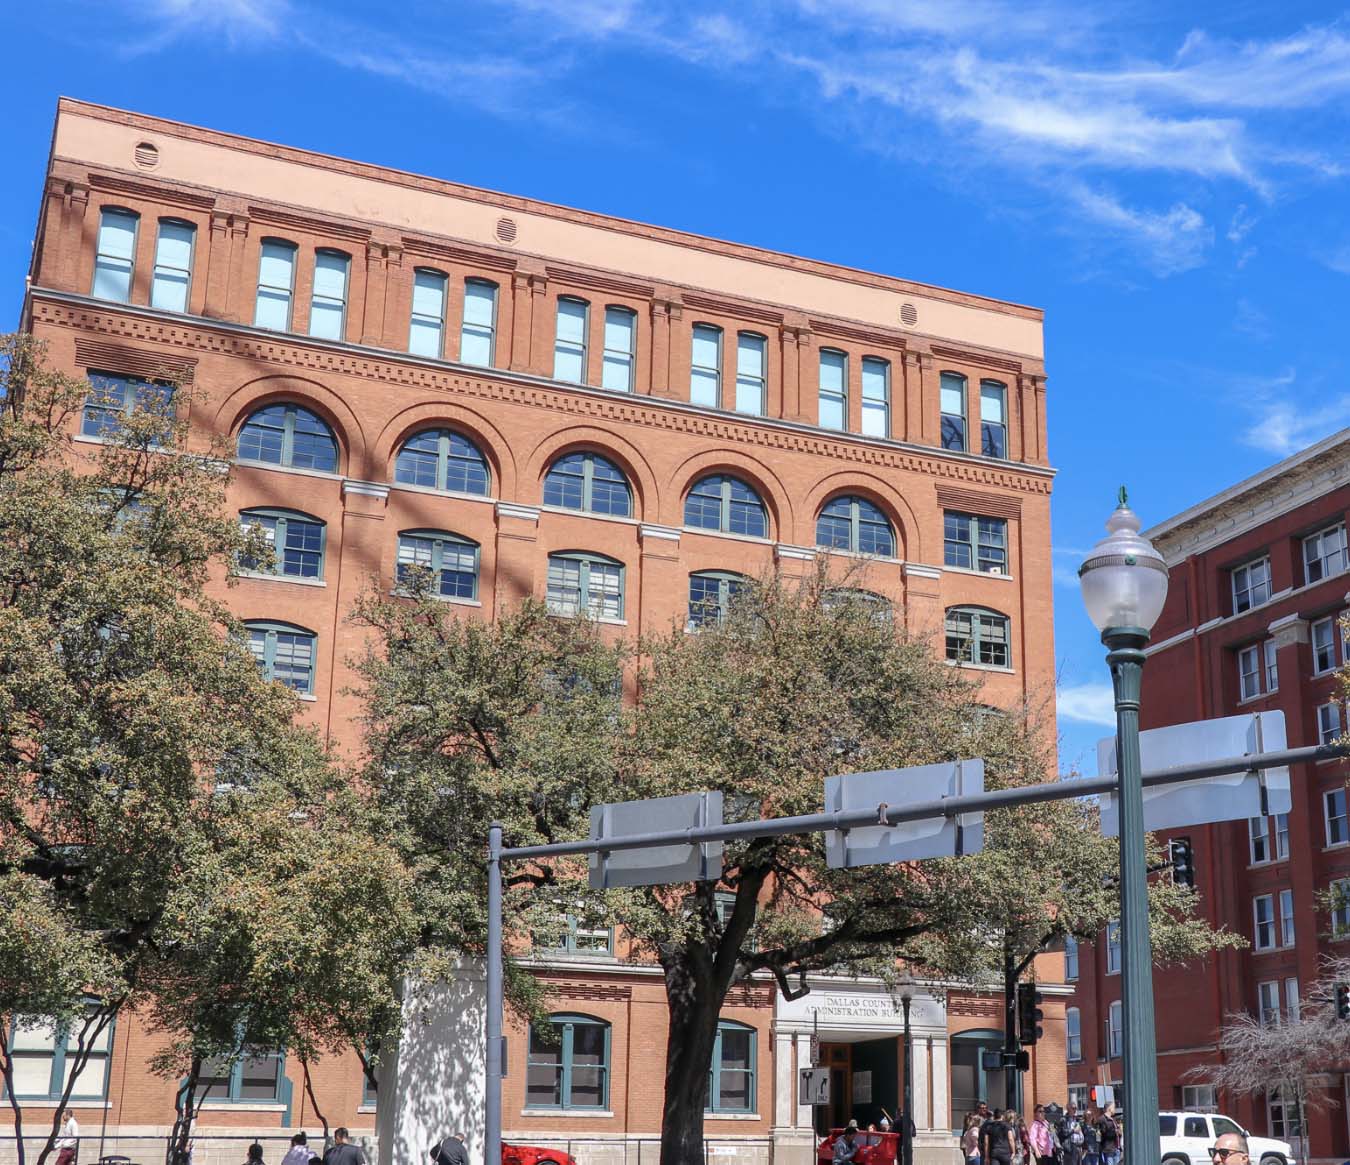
(941, 1106)
(806, 1114)
(784, 1080)
(919, 1059)
(517, 543)
(659, 577)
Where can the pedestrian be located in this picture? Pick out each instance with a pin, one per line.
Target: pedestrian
(1021, 1140)
(451, 1151)
(342, 1151)
(1092, 1141)
(1071, 1136)
(847, 1145)
(1230, 1149)
(996, 1139)
(254, 1155)
(1108, 1135)
(298, 1153)
(1042, 1137)
(68, 1144)
(970, 1139)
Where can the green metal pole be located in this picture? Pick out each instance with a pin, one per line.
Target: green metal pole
(1126, 656)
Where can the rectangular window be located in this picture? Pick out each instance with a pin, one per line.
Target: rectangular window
(1340, 907)
(1282, 1116)
(1268, 1003)
(833, 403)
(115, 255)
(1115, 1030)
(1113, 947)
(113, 398)
(952, 392)
(426, 329)
(284, 656)
(1292, 1003)
(1249, 672)
(588, 585)
(1251, 585)
(1323, 646)
(974, 543)
(993, 419)
(1334, 809)
(1070, 959)
(1272, 666)
(478, 333)
(751, 377)
(569, 346)
(1286, 918)
(616, 367)
(1263, 923)
(1328, 723)
(255, 1077)
(297, 543)
(1074, 1034)
(876, 397)
(1324, 553)
(173, 265)
(1199, 1098)
(328, 303)
(1281, 836)
(1258, 836)
(44, 1056)
(276, 285)
(731, 1072)
(705, 366)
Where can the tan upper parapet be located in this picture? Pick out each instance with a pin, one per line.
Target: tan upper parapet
(106, 139)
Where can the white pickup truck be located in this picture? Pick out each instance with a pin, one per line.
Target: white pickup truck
(1187, 1136)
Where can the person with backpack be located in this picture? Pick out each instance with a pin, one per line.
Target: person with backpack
(1071, 1137)
(450, 1151)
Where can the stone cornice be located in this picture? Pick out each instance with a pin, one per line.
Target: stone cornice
(196, 335)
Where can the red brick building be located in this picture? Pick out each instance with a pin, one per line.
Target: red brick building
(534, 400)
(1258, 583)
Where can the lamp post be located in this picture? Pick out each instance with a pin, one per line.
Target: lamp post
(1124, 582)
(906, 1117)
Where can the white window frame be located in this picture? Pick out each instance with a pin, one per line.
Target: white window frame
(617, 365)
(994, 391)
(1341, 834)
(1268, 1003)
(1246, 588)
(166, 275)
(425, 323)
(1115, 1030)
(1258, 840)
(1319, 557)
(752, 388)
(275, 292)
(833, 397)
(876, 409)
(1113, 947)
(112, 264)
(1322, 639)
(1264, 923)
(1328, 722)
(476, 329)
(1285, 902)
(1270, 653)
(1281, 836)
(1292, 1002)
(569, 348)
(1073, 1035)
(323, 304)
(1340, 915)
(1249, 666)
(1199, 1098)
(1070, 959)
(703, 377)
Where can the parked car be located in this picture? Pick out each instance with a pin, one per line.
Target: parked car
(873, 1148)
(533, 1155)
(1187, 1136)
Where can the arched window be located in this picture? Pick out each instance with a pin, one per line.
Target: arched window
(289, 435)
(731, 1073)
(569, 1067)
(173, 265)
(582, 583)
(710, 595)
(977, 635)
(719, 502)
(115, 254)
(442, 459)
(285, 653)
(876, 606)
(450, 560)
(854, 523)
(589, 482)
(1073, 1030)
(297, 542)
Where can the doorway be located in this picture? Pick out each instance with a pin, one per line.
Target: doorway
(971, 1080)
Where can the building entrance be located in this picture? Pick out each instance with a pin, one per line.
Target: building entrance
(864, 1081)
(971, 1081)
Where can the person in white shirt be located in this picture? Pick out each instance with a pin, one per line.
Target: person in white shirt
(299, 1152)
(68, 1143)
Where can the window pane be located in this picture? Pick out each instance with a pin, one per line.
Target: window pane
(952, 393)
(564, 586)
(313, 444)
(115, 255)
(302, 555)
(833, 390)
(750, 374)
(258, 1078)
(33, 1075)
(565, 484)
(617, 366)
(705, 374)
(609, 488)
(329, 302)
(465, 468)
(173, 266)
(875, 397)
(293, 663)
(993, 421)
(569, 355)
(418, 460)
(276, 277)
(428, 314)
(480, 323)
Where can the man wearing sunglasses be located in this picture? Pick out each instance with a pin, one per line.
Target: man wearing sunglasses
(1229, 1149)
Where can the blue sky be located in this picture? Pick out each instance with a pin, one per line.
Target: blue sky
(1168, 181)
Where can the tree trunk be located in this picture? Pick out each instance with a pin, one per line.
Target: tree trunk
(314, 1103)
(7, 1071)
(93, 1027)
(695, 1001)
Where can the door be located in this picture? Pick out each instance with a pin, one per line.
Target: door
(835, 1115)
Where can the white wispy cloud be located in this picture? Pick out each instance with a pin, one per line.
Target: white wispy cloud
(1090, 703)
(1287, 416)
(1168, 241)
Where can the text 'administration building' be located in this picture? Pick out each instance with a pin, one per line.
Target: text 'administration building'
(612, 417)
(1258, 582)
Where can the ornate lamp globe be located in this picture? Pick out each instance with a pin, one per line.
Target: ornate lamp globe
(1124, 579)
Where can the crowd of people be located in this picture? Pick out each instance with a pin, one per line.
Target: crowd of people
(1055, 1136)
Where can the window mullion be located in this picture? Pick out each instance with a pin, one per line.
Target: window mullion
(443, 461)
(288, 436)
(269, 655)
(587, 481)
(565, 1088)
(279, 546)
(584, 586)
(724, 515)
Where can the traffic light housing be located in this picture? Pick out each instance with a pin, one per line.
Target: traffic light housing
(1029, 1013)
(1183, 862)
(1342, 1001)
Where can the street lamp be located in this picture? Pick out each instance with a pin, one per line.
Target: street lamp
(907, 1117)
(1124, 581)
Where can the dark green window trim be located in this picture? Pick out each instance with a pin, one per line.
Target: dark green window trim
(716, 1071)
(296, 550)
(539, 1060)
(61, 1046)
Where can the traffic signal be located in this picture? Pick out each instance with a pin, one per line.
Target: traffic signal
(1183, 862)
(1342, 1001)
(1029, 1014)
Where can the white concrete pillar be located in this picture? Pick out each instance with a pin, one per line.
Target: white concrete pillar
(805, 1113)
(784, 1092)
(919, 1089)
(942, 1116)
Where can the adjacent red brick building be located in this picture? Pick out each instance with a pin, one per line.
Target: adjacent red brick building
(1258, 583)
(535, 400)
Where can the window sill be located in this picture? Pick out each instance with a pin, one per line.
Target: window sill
(982, 667)
(365, 1108)
(579, 956)
(397, 593)
(607, 620)
(1273, 950)
(753, 539)
(731, 1116)
(585, 1113)
(259, 576)
(457, 495)
(590, 514)
(308, 697)
(240, 1106)
(74, 1102)
(322, 474)
(1002, 576)
(1335, 846)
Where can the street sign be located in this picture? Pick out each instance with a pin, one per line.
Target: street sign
(934, 837)
(813, 1086)
(1226, 798)
(655, 865)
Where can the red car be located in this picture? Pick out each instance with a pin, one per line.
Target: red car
(873, 1148)
(533, 1155)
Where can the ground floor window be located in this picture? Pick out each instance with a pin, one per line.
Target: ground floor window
(45, 1054)
(731, 1077)
(568, 1064)
(254, 1078)
(1199, 1098)
(1078, 1097)
(973, 1081)
(1282, 1115)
